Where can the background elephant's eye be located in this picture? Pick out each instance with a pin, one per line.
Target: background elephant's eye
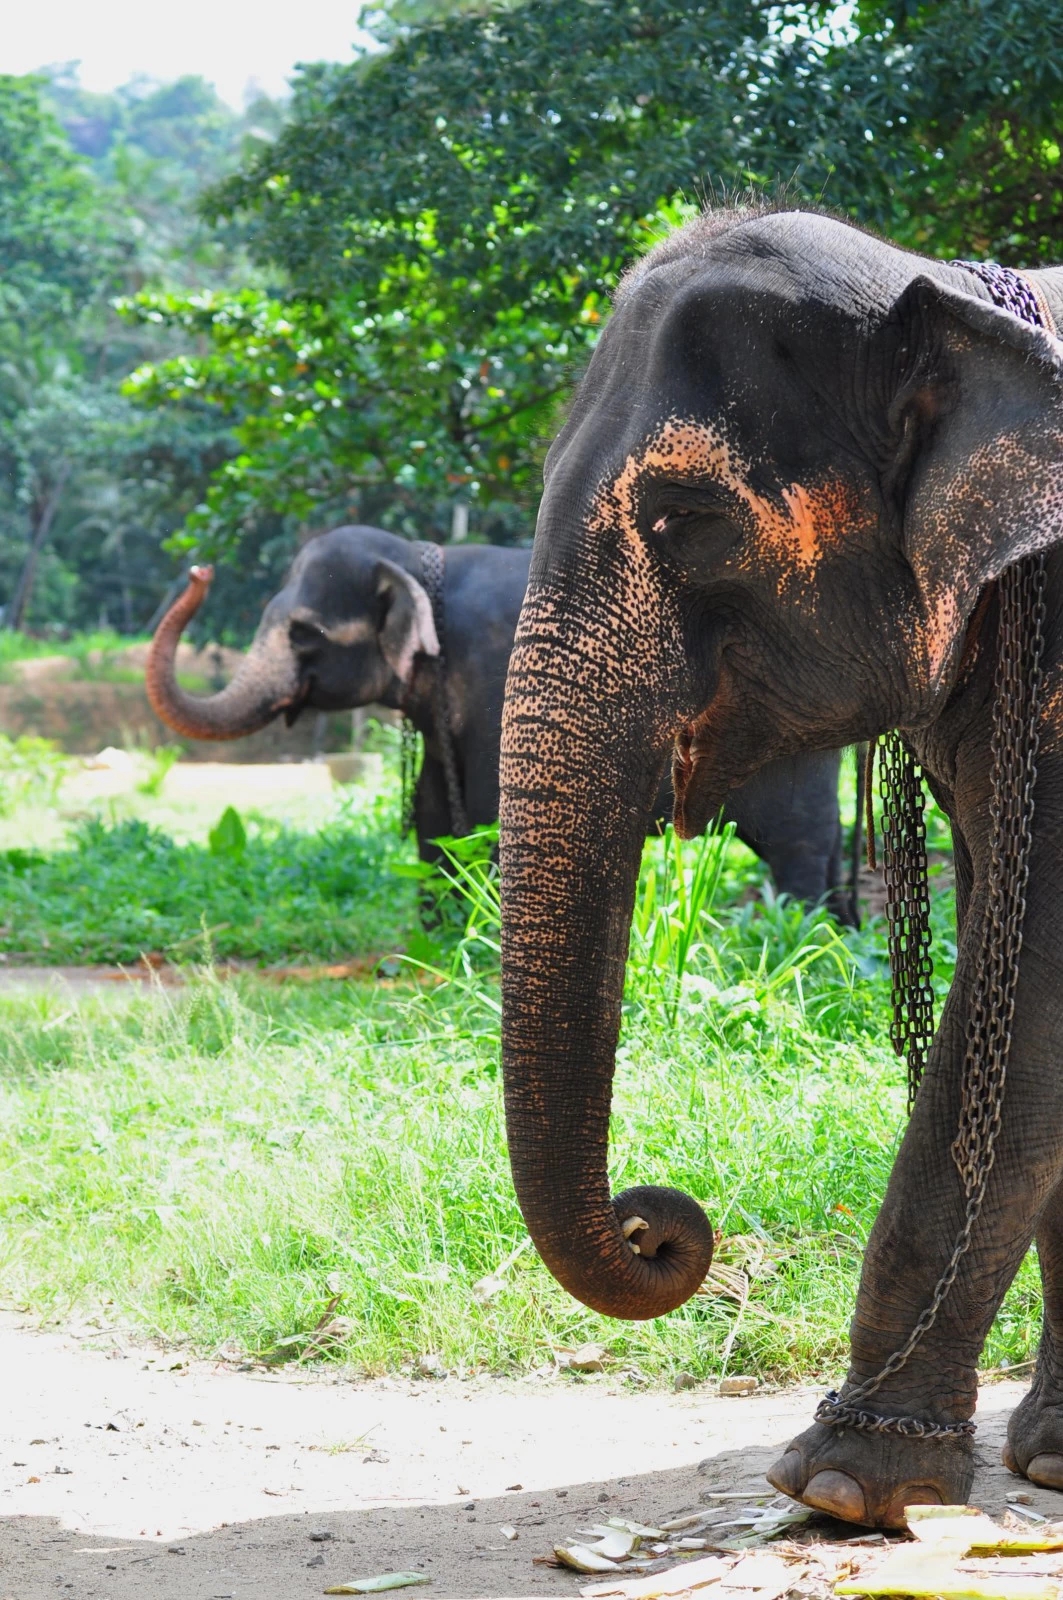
(304, 636)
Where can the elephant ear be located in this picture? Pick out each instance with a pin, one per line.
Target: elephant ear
(405, 627)
(975, 413)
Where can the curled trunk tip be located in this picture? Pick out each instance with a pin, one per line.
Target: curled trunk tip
(265, 683)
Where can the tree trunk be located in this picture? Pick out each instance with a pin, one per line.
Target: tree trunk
(20, 599)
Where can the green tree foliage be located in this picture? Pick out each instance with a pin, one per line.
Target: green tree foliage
(450, 216)
(381, 314)
(98, 197)
(53, 252)
(966, 115)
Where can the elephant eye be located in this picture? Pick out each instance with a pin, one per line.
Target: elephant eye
(305, 636)
(670, 518)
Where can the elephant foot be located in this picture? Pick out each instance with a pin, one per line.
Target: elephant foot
(869, 1478)
(1034, 1447)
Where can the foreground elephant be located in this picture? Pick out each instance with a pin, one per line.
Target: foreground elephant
(353, 625)
(798, 463)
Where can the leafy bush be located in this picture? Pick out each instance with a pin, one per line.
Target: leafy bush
(31, 771)
(127, 889)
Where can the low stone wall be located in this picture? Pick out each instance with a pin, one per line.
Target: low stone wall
(83, 715)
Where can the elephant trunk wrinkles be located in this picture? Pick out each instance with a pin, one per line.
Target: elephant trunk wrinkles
(576, 793)
(266, 682)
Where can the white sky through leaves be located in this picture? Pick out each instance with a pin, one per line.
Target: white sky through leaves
(232, 43)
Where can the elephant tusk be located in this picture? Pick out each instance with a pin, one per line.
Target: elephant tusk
(630, 1226)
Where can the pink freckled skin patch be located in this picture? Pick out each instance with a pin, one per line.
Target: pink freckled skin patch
(790, 538)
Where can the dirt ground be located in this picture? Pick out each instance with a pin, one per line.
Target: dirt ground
(124, 1472)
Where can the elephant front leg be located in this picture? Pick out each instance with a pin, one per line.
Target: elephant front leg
(869, 1476)
(1034, 1448)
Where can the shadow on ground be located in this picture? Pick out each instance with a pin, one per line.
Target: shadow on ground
(460, 1547)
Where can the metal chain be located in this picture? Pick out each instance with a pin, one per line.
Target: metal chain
(432, 571)
(1015, 739)
(409, 769)
(907, 905)
(1017, 693)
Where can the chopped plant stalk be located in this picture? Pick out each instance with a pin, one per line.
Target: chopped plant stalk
(377, 1584)
(733, 1494)
(635, 1527)
(582, 1558)
(613, 1543)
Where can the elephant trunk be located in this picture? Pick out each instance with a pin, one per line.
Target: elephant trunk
(579, 773)
(265, 684)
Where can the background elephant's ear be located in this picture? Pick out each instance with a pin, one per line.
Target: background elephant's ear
(406, 627)
(974, 415)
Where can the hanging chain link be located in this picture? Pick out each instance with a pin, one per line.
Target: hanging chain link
(1017, 694)
(409, 769)
(907, 906)
(1016, 713)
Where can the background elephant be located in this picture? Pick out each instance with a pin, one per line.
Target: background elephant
(797, 467)
(354, 625)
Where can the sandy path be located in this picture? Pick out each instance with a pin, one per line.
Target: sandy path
(123, 1475)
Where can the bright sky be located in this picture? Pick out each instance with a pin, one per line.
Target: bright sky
(230, 42)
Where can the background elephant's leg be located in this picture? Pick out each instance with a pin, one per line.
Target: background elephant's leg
(1035, 1432)
(431, 816)
(788, 813)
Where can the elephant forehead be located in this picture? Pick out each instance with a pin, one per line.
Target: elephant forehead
(789, 534)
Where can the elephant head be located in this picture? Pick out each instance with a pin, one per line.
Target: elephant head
(798, 457)
(344, 631)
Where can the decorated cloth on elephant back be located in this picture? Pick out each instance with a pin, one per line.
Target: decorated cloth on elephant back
(809, 492)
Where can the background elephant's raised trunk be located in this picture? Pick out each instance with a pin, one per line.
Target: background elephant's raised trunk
(577, 789)
(265, 683)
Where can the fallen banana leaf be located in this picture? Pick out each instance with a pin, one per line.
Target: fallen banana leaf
(763, 1526)
(930, 1574)
(971, 1532)
(759, 1577)
(694, 1575)
(383, 1580)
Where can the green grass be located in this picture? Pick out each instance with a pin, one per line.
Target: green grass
(123, 890)
(215, 1166)
(25, 647)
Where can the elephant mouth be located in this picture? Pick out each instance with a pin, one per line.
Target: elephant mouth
(696, 783)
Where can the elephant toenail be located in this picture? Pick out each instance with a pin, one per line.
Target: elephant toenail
(913, 1494)
(1007, 1455)
(1047, 1470)
(788, 1474)
(837, 1493)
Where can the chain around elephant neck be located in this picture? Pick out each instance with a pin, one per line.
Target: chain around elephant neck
(1017, 693)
